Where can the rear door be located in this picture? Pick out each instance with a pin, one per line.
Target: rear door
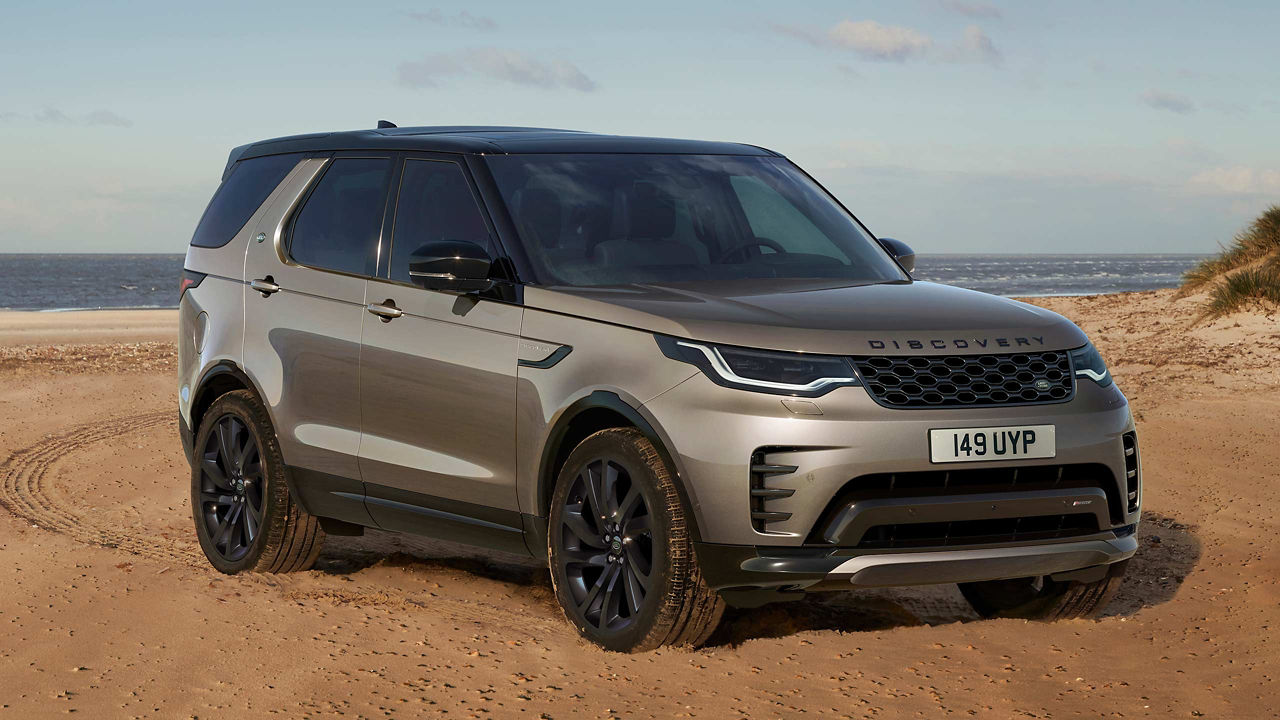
(438, 383)
(303, 314)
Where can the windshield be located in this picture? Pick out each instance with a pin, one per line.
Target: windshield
(592, 219)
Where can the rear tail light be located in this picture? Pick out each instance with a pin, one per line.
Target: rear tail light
(189, 280)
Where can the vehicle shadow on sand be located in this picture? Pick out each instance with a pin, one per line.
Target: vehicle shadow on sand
(350, 555)
(1167, 552)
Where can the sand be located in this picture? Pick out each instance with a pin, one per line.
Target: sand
(107, 608)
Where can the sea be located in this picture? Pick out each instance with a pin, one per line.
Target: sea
(78, 282)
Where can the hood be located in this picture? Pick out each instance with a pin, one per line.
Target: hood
(821, 316)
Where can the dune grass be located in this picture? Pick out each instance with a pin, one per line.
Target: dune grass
(1248, 270)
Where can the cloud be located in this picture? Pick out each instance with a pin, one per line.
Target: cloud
(50, 115)
(1237, 180)
(871, 40)
(976, 46)
(106, 117)
(848, 72)
(973, 9)
(1161, 100)
(463, 19)
(509, 66)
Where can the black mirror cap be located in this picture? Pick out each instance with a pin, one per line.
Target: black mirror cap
(901, 252)
(452, 266)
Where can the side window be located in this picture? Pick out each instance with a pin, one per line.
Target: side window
(435, 203)
(239, 196)
(773, 217)
(338, 228)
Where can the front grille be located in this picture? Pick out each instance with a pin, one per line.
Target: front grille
(977, 532)
(923, 381)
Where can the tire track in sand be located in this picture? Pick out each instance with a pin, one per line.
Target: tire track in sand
(30, 489)
(27, 489)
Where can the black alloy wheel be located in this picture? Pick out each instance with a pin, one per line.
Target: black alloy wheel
(622, 560)
(231, 488)
(608, 545)
(245, 516)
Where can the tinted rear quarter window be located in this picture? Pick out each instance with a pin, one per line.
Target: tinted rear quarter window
(239, 196)
(339, 226)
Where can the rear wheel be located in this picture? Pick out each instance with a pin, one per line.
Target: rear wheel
(245, 518)
(1043, 598)
(622, 561)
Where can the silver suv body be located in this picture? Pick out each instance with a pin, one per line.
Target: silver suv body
(431, 320)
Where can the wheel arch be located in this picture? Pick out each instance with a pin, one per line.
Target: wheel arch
(217, 380)
(598, 411)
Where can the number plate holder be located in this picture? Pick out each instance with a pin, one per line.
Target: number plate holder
(1008, 442)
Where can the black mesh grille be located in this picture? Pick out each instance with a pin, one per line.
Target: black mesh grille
(969, 481)
(923, 381)
(974, 532)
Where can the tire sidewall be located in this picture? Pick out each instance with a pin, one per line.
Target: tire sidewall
(620, 447)
(243, 408)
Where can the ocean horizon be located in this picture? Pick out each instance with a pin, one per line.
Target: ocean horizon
(117, 281)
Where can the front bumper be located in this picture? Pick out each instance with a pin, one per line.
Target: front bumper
(717, 435)
(749, 576)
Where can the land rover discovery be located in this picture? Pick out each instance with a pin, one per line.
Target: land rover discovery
(679, 372)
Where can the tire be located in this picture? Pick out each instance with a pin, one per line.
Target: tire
(1042, 598)
(244, 516)
(602, 586)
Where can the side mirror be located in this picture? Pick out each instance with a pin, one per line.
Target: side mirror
(451, 265)
(901, 252)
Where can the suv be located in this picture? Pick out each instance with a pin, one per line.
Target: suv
(680, 372)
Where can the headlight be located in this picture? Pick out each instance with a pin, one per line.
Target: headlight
(767, 371)
(1086, 362)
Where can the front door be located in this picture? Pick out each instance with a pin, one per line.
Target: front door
(438, 382)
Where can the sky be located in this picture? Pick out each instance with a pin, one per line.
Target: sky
(959, 126)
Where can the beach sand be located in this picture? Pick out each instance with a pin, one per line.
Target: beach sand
(107, 607)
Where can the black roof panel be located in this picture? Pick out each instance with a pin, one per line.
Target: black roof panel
(487, 139)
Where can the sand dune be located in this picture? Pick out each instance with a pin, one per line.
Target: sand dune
(108, 609)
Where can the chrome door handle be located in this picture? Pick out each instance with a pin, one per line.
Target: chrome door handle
(266, 286)
(387, 311)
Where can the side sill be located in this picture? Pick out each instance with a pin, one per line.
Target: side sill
(329, 496)
(453, 520)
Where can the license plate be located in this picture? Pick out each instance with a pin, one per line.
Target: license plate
(1018, 442)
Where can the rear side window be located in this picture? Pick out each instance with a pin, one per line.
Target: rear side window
(339, 227)
(239, 196)
(435, 204)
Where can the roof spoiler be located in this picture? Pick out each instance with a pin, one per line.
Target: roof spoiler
(234, 157)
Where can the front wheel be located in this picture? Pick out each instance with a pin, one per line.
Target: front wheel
(1043, 598)
(622, 560)
(245, 518)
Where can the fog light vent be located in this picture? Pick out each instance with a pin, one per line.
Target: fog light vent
(761, 493)
(1130, 442)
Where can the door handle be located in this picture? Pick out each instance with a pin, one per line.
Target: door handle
(386, 312)
(267, 286)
